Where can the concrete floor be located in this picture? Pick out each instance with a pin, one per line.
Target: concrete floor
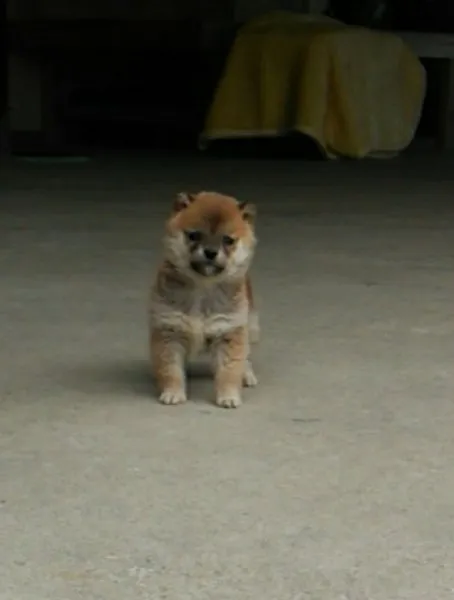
(334, 481)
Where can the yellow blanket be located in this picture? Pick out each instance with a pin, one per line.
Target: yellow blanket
(356, 92)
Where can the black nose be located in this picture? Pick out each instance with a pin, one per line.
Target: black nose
(210, 254)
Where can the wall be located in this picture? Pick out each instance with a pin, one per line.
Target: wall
(24, 86)
(318, 6)
(27, 95)
(117, 9)
(247, 9)
(146, 9)
(104, 9)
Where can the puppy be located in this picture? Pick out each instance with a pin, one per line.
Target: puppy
(202, 297)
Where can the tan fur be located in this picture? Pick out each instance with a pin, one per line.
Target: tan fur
(198, 305)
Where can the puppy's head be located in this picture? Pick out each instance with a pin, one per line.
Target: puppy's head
(210, 236)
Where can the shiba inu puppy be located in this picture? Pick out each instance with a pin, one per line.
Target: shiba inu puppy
(202, 300)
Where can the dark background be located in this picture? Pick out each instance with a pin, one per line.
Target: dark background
(121, 80)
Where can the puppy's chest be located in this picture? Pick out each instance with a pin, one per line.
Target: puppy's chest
(201, 313)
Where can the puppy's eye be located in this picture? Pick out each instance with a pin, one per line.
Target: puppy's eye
(228, 240)
(194, 236)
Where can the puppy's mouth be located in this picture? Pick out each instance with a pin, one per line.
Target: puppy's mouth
(206, 269)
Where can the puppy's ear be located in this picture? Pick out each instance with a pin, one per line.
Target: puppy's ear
(248, 211)
(182, 201)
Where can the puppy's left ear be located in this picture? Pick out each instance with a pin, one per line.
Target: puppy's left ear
(248, 211)
(182, 201)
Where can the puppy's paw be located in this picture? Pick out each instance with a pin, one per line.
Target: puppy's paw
(172, 397)
(229, 400)
(249, 377)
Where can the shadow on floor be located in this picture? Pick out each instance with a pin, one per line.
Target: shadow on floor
(118, 378)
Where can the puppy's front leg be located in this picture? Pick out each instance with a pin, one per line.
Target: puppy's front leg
(231, 355)
(168, 363)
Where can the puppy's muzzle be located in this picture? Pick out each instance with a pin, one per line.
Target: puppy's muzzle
(207, 263)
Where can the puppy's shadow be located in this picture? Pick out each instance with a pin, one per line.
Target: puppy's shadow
(118, 378)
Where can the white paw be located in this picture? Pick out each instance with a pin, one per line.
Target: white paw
(172, 397)
(232, 400)
(249, 377)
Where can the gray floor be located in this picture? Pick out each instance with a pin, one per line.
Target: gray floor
(334, 481)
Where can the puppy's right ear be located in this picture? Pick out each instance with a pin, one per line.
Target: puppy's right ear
(248, 211)
(182, 201)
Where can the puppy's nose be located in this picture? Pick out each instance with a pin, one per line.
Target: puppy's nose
(210, 254)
